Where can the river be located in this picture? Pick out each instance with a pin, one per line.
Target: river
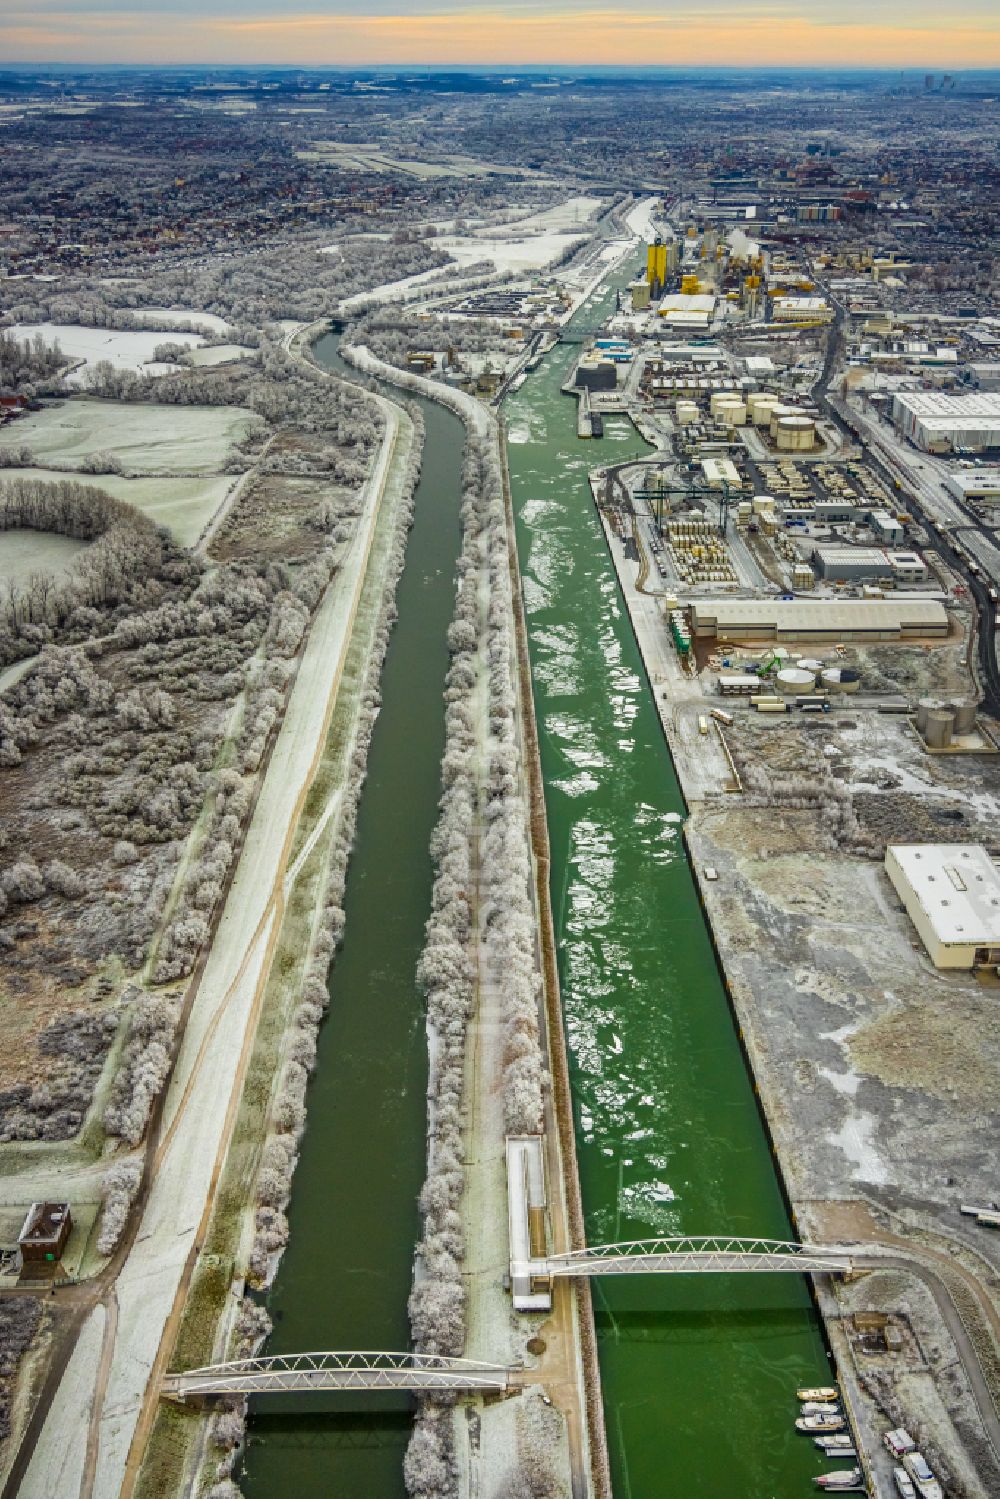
(699, 1373)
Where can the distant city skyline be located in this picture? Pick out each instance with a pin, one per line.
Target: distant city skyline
(581, 33)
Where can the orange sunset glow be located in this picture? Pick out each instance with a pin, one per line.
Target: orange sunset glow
(584, 37)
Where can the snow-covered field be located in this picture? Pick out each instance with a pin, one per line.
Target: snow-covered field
(184, 318)
(640, 218)
(149, 439)
(522, 245)
(24, 552)
(184, 506)
(219, 354)
(126, 351)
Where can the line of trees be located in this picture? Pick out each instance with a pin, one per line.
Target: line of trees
(480, 643)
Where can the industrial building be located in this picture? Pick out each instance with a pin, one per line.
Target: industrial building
(940, 423)
(856, 564)
(800, 310)
(886, 526)
(807, 619)
(596, 373)
(640, 295)
(720, 471)
(951, 892)
(850, 564)
(982, 484)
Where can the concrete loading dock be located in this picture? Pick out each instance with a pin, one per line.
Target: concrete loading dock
(805, 619)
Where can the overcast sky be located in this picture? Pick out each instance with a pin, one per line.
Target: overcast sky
(863, 33)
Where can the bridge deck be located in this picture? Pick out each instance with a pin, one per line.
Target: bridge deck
(305, 1372)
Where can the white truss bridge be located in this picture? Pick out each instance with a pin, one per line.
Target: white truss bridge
(698, 1255)
(301, 1372)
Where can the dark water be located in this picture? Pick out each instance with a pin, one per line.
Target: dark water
(345, 1277)
(699, 1372)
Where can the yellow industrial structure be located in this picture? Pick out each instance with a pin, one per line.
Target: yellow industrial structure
(656, 263)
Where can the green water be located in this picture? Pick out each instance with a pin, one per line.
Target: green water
(699, 1373)
(345, 1277)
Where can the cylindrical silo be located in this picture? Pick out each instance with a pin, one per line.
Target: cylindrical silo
(795, 434)
(792, 681)
(965, 716)
(925, 707)
(831, 679)
(778, 413)
(940, 722)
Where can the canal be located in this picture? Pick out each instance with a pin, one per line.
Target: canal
(699, 1373)
(345, 1277)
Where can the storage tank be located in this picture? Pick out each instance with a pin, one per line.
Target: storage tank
(779, 413)
(850, 679)
(719, 398)
(758, 399)
(965, 716)
(793, 681)
(760, 413)
(687, 412)
(734, 413)
(831, 679)
(925, 707)
(795, 434)
(940, 722)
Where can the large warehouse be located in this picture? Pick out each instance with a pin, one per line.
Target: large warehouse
(806, 619)
(981, 484)
(951, 892)
(941, 423)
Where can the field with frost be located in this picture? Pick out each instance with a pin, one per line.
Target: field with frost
(25, 552)
(149, 439)
(219, 354)
(183, 505)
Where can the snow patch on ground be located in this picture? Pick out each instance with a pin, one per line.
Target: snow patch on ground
(856, 1138)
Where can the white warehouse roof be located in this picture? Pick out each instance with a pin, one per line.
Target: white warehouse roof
(832, 621)
(957, 887)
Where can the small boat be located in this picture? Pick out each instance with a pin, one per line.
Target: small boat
(820, 1408)
(813, 1424)
(835, 1443)
(819, 1392)
(924, 1481)
(847, 1478)
(904, 1484)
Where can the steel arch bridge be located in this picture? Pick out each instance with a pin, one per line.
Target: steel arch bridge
(302, 1372)
(702, 1255)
